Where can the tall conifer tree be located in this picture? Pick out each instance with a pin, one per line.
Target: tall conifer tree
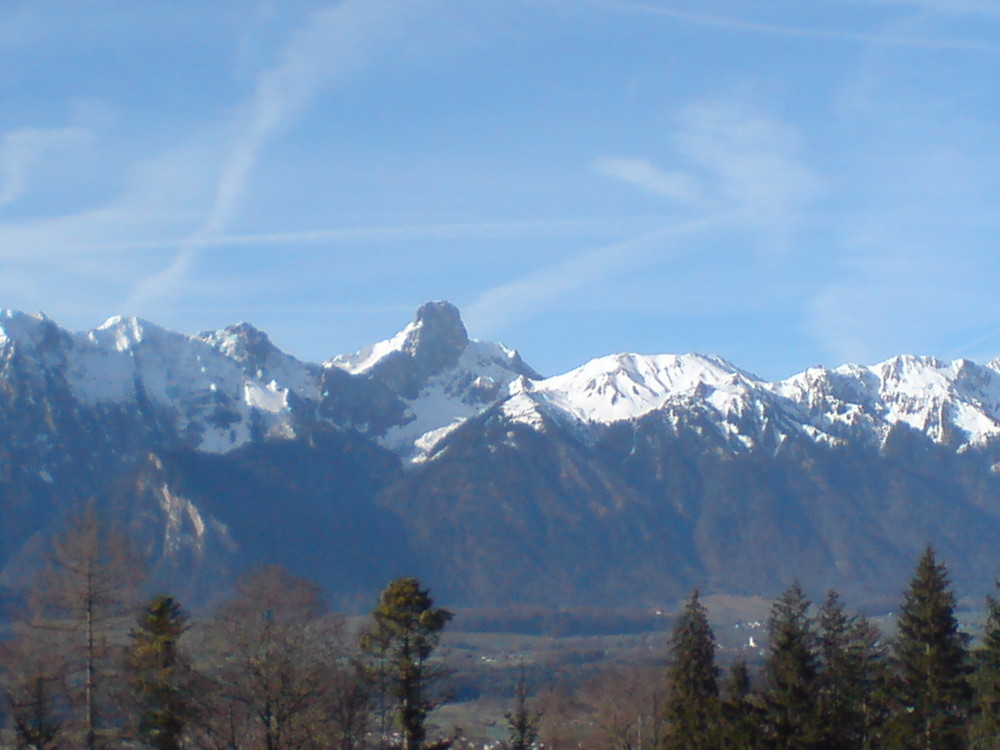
(791, 675)
(692, 708)
(404, 631)
(986, 726)
(852, 670)
(522, 720)
(161, 678)
(740, 716)
(932, 664)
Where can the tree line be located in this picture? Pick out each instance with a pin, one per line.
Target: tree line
(828, 679)
(272, 670)
(832, 681)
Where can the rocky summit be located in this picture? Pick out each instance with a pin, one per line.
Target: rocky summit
(625, 482)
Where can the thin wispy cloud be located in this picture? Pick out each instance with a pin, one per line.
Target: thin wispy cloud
(678, 185)
(944, 7)
(766, 157)
(335, 43)
(756, 164)
(159, 196)
(734, 160)
(260, 19)
(911, 251)
(911, 298)
(536, 229)
(22, 149)
(971, 348)
(774, 29)
(523, 298)
(916, 269)
(883, 303)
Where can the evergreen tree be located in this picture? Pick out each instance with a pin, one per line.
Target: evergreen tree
(932, 664)
(404, 631)
(740, 717)
(160, 675)
(986, 727)
(522, 721)
(852, 670)
(790, 689)
(692, 708)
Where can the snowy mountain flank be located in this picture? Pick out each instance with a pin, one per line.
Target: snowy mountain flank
(442, 375)
(640, 475)
(223, 385)
(956, 403)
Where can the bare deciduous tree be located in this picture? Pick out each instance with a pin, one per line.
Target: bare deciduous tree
(281, 677)
(63, 668)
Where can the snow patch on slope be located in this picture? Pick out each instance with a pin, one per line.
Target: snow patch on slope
(482, 377)
(955, 403)
(263, 362)
(227, 387)
(202, 383)
(704, 391)
(16, 326)
(365, 359)
(627, 386)
(952, 402)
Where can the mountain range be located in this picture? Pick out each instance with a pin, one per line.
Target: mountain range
(622, 483)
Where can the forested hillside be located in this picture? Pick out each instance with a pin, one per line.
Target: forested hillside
(92, 660)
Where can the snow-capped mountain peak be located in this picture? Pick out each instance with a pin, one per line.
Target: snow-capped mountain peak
(625, 387)
(35, 333)
(957, 402)
(602, 477)
(124, 333)
(365, 359)
(223, 387)
(261, 360)
(442, 376)
(211, 388)
(430, 344)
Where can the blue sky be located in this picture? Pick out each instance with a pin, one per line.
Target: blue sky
(781, 183)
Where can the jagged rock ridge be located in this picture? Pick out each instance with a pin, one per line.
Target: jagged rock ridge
(627, 480)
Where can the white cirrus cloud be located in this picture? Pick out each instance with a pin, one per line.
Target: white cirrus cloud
(736, 161)
(945, 7)
(338, 40)
(756, 161)
(678, 185)
(948, 44)
(524, 297)
(22, 149)
(743, 173)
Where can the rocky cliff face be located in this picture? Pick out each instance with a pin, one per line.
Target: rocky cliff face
(626, 481)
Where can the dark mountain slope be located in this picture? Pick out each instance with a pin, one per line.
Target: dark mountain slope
(625, 482)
